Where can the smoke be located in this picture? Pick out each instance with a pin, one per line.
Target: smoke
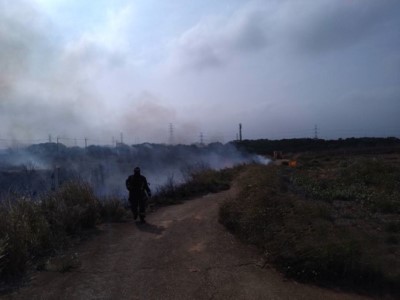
(95, 69)
(262, 160)
(75, 87)
(145, 118)
(106, 169)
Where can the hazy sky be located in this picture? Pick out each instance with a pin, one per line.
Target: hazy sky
(95, 68)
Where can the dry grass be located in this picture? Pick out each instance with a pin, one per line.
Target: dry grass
(199, 182)
(32, 230)
(304, 236)
(113, 210)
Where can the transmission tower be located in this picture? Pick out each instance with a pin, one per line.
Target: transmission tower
(171, 133)
(316, 132)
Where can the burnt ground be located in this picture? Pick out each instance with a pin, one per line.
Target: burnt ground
(182, 253)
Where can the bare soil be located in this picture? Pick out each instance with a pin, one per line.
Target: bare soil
(181, 253)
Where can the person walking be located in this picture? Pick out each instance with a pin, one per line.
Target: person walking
(139, 191)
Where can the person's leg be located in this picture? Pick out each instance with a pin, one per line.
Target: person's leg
(142, 209)
(134, 207)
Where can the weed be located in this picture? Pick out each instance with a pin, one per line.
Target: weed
(24, 231)
(199, 182)
(30, 230)
(300, 233)
(72, 208)
(112, 210)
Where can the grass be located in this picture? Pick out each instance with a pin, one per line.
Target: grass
(199, 182)
(32, 230)
(113, 210)
(372, 183)
(294, 216)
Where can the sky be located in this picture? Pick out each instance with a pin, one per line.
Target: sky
(162, 71)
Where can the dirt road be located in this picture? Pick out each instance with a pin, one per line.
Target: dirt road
(182, 253)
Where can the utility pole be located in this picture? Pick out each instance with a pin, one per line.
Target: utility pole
(316, 132)
(86, 139)
(240, 131)
(171, 133)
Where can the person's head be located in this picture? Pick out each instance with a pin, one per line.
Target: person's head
(136, 171)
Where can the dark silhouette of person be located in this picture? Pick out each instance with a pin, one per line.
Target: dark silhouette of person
(139, 191)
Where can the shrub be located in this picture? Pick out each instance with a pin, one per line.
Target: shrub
(3, 252)
(168, 193)
(199, 182)
(33, 229)
(112, 210)
(24, 235)
(72, 208)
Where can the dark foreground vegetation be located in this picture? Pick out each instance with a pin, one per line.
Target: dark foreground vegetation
(333, 220)
(33, 231)
(347, 146)
(200, 182)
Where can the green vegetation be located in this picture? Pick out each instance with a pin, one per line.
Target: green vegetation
(370, 184)
(331, 221)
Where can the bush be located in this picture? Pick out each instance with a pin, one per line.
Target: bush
(3, 253)
(24, 235)
(168, 193)
(72, 208)
(33, 229)
(199, 182)
(112, 210)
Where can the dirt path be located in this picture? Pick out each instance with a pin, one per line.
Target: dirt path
(182, 253)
